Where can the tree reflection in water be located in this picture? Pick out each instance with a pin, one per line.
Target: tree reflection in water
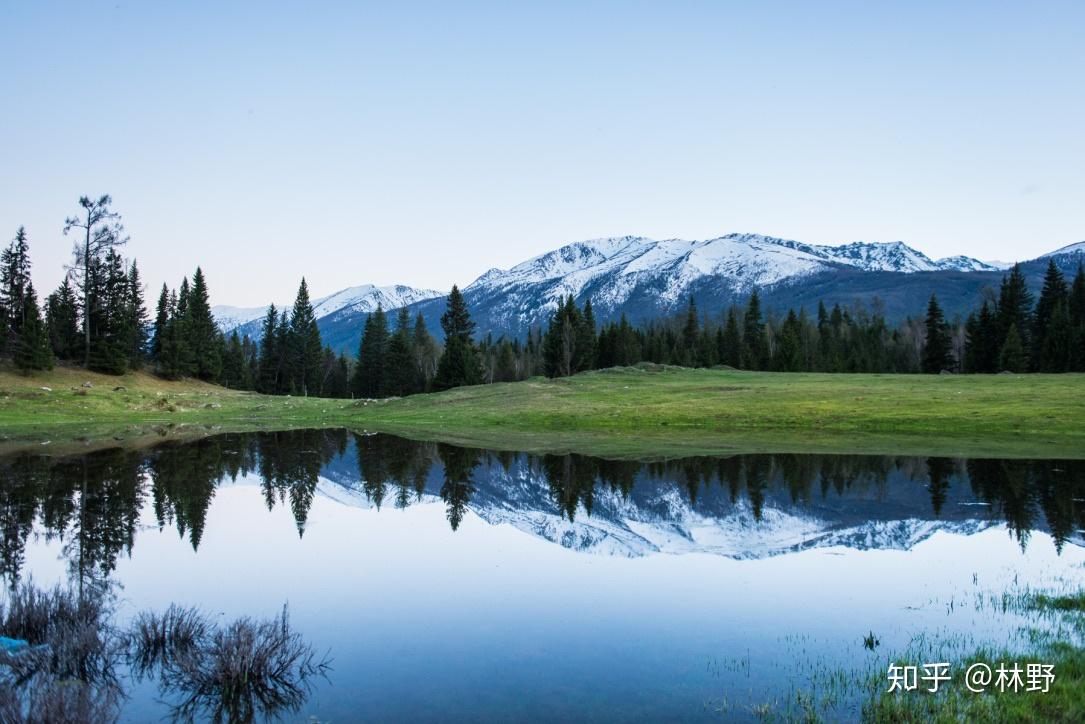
(92, 503)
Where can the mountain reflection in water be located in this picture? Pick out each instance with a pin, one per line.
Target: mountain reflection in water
(740, 505)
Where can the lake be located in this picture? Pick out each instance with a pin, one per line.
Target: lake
(455, 584)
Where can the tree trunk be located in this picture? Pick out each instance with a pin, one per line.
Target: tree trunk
(86, 297)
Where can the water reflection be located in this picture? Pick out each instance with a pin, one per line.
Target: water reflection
(92, 502)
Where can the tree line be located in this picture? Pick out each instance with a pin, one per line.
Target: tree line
(97, 317)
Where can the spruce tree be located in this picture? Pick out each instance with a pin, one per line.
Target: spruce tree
(981, 341)
(1056, 354)
(1077, 321)
(400, 376)
(268, 364)
(62, 321)
(1053, 296)
(459, 364)
(172, 361)
(233, 364)
(135, 322)
(937, 347)
(33, 352)
(789, 353)
(626, 346)
(424, 352)
(14, 281)
(101, 232)
(370, 373)
(161, 319)
(755, 345)
(587, 338)
(203, 338)
(562, 344)
(306, 351)
(1012, 358)
(730, 352)
(1015, 308)
(690, 335)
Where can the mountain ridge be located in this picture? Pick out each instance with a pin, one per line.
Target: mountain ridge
(645, 278)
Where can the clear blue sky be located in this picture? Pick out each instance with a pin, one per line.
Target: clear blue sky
(424, 143)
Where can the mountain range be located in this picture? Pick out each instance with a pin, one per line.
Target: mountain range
(645, 278)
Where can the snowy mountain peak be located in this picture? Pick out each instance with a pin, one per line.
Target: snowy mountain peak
(359, 299)
(1078, 248)
(615, 269)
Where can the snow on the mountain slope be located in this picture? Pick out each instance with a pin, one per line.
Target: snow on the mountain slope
(229, 318)
(1078, 248)
(362, 299)
(614, 268)
(668, 524)
(967, 263)
(366, 297)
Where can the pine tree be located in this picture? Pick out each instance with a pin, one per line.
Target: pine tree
(1055, 355)
(400, 377)
(730, 352)
(982, 341)
(937, 354)
(102, 232)
(268, 365)
(1077, 321)
(459, 364)
(1053, 296)
(62, 321)
(562, 345)
(135, 322)
(233, 364)
(203, 340)
(371, 370)
(306, 353)
(755, 345)
(109, 292)
(161, 319)
(34, 352)
(626, 347)
(172, 361)
(1015, 308)
(14, 281)
(789, 353)
(424, 352)
(1012, 357)
(690, 335)
(587, 339)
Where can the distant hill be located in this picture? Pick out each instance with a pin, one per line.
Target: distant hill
(645, 278)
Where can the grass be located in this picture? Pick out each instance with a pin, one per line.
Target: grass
(71, 670)
(628, 412)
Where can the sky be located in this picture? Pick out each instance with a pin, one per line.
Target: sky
(424, 143)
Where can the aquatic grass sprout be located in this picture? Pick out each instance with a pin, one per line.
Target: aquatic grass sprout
(67, 670)
(231, 673)
(155, 639)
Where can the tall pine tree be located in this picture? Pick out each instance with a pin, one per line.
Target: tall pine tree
(306, 348)
(937, 346)
(459, 364)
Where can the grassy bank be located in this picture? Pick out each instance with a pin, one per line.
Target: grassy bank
(644, 411)
(1056, 640)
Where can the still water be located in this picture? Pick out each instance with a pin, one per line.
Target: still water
(458, 584)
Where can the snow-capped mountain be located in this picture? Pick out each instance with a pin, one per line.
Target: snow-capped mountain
(353, 300)
(647, 278)
(1078, 248)
(659, 516)
(745, 260)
